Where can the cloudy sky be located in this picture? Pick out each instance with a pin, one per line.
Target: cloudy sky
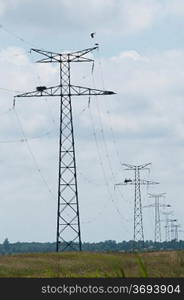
(141, 58)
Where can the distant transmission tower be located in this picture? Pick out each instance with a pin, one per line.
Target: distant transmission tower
(138, 217)
(180, 231)
(68, 221)
(157, 205)
(172, 228)
(167, 227)
(176, 227)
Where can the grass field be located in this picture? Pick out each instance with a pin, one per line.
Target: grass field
(86, 264)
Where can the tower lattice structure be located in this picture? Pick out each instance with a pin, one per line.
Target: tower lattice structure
(68, 218)
(138, 235)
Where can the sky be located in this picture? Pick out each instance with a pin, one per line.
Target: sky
(141, 58)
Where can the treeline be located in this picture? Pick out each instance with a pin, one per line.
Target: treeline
(126, 246)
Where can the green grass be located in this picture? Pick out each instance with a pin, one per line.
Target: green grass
(86, 264)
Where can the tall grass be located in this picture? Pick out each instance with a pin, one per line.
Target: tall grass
(142, 267)
(87, 265)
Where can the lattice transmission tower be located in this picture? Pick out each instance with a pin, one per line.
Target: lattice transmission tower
(176, 227)
(172, 223)
(68, 220)
(167, 227)
(138, 216)
(157, 205)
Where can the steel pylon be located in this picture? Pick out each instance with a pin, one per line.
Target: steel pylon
(68, 218)
(138, 235)
(172, 229)
(167, 227)
(157, 205)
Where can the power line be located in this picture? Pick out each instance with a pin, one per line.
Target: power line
(101, 212)
(46, 134)
(12, 141)
(6, 112)
(104, 172)
(32, 155)
(107, 157)
(9, 90)
(108, 111)
(16, 36)
(89, 180)
(111, 129)
(106, 149)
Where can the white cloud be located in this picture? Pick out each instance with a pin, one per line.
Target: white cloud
(117, 17)
(174, 7)
(149, 75)
(120, 17)
(14, 56)
(139, 15)
(6, 5)
(131, 54)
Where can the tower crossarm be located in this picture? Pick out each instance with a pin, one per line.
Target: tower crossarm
(53, 57)
(133, 182)
(132, 167)
(147, 206)
(160, 205)
(156, 195)
(57, 91)
(148, 182)
(172, 220)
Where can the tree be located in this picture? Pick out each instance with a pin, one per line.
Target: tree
(6, 246)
